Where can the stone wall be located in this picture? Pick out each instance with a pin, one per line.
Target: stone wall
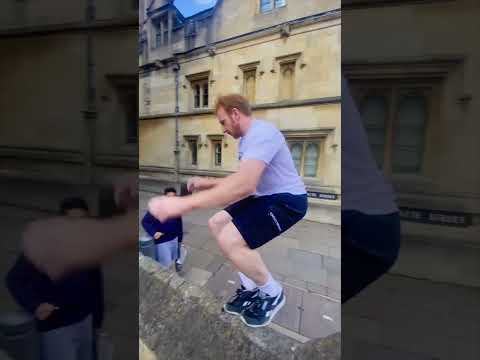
(178, 320)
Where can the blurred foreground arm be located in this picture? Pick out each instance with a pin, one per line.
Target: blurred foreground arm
(59, 245)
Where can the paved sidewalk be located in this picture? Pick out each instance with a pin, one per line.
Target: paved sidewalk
(306, 259)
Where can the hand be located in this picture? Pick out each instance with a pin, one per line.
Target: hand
(195, 184)
(157, 235)
(167, 207)
(44, 311)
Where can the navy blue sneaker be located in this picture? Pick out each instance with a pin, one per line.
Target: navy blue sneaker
(263, 309)
(240, 301)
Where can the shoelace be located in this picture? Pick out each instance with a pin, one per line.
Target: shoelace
(256, 307)
(239, 293)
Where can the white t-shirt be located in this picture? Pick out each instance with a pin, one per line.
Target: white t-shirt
(364, 187)
(263, 141)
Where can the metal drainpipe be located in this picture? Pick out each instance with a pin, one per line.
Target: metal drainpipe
(90, 114)
(176, 70)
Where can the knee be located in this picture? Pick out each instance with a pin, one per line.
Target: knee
(217, 222)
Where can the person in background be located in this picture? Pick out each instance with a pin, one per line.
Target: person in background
(67, 311)
(168, 236)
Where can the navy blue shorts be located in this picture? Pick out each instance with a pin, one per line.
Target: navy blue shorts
(370, 246)
(260, 219)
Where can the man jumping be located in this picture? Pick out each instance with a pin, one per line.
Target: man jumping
(266, 196)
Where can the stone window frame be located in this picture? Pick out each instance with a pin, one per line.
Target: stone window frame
(273, 5)
(246, 69)
(401, 79)
(306, 137)
(201, 79)
(159, 24)
(189, 139)
(126, 90)
(394, 93)
(214, 140)
(287, 62)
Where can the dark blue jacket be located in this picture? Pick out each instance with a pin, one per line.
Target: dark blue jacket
(78, 295)
(170, 229)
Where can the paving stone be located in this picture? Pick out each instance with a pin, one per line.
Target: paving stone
(307, 230)
(306, 266)
(292, 334)
(198, 276)
(216, 263)
(320, 316)
(335, 251)
(289, 315)
(314, 245)
(223, 283)
(332, 265)
(334, 281)
(211, 246)
(334, 294)
(291, 281)
(317, 289)
(198, 257)
(196, 236)
(200, 217)
(282, 241)
(275, 259)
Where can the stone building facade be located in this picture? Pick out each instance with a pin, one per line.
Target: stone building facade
(84, 129)
(417, 92)
(282, 55)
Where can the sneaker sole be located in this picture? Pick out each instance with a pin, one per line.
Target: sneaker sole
(277, 309)
(230, 312)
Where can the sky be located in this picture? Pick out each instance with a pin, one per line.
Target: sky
(190, 7)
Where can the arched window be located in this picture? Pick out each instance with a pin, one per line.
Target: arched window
(197, 95)
(409, 136)
(218, 153)
(311, 160)
(297, 149)
(374, 113)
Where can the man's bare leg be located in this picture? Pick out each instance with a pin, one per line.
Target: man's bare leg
(234, 247)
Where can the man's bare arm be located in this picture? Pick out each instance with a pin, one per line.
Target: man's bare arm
(232, 188)
(202, 183)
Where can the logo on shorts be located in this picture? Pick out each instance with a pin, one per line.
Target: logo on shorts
(275, 221)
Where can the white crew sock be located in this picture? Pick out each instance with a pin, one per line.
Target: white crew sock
(271, 287)
(247, 283)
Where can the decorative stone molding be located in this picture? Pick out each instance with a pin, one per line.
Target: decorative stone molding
(285, 59)
(249, 66)
(308, 133)
(198, 76)
(406, 68)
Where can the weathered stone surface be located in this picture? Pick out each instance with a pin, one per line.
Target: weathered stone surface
(321, 349)
(185, 322)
